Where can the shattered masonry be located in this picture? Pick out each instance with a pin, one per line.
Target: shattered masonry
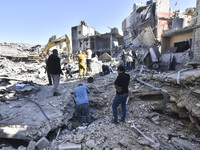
(163, 108)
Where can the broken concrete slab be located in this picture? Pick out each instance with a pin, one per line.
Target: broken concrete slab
(145, 39)
(31, 145)
(155, 54)
(19, 123)
(70, 146)
(105, 57)
(42, 143)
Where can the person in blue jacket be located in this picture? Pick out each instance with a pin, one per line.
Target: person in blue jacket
(82, 103)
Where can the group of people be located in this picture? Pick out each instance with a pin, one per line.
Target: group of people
(121, 85)
(82, 103)
(128, 59)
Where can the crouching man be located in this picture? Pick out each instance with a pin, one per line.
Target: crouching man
(82, 103)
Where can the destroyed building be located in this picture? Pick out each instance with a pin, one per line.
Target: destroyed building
(155, 15)
(84, 36)
(165, 37)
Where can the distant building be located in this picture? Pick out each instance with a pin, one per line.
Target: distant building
(84, 36)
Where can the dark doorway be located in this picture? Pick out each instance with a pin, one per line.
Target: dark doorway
(182, 46)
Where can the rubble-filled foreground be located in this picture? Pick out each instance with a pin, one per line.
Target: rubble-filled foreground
(31, 113)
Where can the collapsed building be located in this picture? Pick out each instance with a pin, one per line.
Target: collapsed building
(165, 37)
(162, 110)
(84, 36)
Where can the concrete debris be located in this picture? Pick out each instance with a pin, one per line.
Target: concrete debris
(70, 146)
(145, 39)
(105, 57)
(31, 145)
(29, 112)
(42, 143)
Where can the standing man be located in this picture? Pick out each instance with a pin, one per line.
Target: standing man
(134, 58)
(123, 58)
(82, 104)
(81, 62)
(129, 60)
(88, 59)
(46, 70)
(54, 68)
(121, 86)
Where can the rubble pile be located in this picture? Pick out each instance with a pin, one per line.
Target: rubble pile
(162, 109)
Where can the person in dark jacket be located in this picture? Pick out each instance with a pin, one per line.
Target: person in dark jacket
(46, 71)
(54, 68)
(106, 69)
(121, 86)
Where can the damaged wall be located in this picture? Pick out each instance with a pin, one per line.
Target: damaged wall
(154, 15)
(196, 36)
(80, 36)
(169, 41)
(83, 36)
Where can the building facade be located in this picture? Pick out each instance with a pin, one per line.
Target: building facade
(154, 14)
(84, 36)
(196, 35)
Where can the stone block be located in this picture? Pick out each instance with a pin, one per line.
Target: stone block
(42, 143)
(70, 146)
(31, 145)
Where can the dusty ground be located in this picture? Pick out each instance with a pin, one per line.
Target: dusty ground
(146, 127)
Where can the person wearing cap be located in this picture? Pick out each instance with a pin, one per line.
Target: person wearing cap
(82, 103)
(81, 62)
(88, 59)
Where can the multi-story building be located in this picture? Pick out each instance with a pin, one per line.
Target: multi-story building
(84, 36)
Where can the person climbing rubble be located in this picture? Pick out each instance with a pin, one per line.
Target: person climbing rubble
(81, 62)
(82, 103)
(107, 69)
(54, 68)
(121, 86)
(68, 72)
(89, 59)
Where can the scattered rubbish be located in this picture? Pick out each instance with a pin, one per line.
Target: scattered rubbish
(149, 139)
(20, 86)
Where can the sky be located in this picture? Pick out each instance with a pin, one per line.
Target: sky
(35, 21)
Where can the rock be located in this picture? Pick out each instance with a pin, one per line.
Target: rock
(3, 99)
(105, 96)
(124, 141)
(91, 144)
(22, 148)
(42, 143)
(34, 119)
(78, 138)
(31, 145)
(69, 146)
(143, 141)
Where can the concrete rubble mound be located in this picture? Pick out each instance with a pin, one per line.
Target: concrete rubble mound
(162, 109)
